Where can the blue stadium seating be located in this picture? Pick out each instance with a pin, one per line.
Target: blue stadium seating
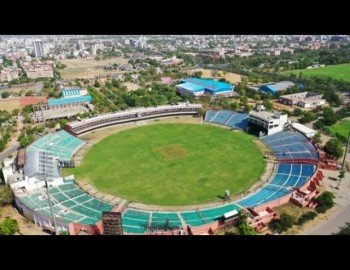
(290, 145)
(227, 118)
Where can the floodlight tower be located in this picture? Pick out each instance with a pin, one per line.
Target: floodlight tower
(51, 209)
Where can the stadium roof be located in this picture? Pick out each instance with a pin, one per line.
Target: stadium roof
(211, 85)
(308, 132)
(68, 100)
(191, 87)
(70, 92)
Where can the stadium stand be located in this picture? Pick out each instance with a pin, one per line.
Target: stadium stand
(136, 114)
(290, 145)
(61, 144)
(227, 118)
(288, 176)
(137, 221)
(70, 204)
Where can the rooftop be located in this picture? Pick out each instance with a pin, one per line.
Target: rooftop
(209, 84)
(265, 115)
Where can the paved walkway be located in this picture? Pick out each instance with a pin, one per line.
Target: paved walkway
(338, 218)
(7, 152)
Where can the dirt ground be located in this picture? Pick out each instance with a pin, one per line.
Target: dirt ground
(229, 76)
(131, 86)
(10, 104)
(26, 227)
(88, 67)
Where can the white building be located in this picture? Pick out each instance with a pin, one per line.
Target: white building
(39, 48)
(270, 122)
(306, 131)
(7, 170)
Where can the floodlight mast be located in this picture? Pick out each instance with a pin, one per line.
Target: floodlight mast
(50, 204)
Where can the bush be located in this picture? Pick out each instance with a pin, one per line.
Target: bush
(285, 222)
(5, 94)
(8, 226)
(297, 112)
(6, 195)
(325, 201)
(306, 217)
(29, 93)
(345, 230)
(243, 228)
(308, 117)
(334, 148)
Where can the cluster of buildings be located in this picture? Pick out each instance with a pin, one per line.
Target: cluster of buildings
(170, 61)
(9, 73)
(72, 101)
(304, 99)
(37, 69)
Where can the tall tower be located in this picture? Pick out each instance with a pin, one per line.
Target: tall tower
(39, 48)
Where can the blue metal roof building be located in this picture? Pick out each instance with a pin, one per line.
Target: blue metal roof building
(57, 102)
(197, 86)
(274, 88)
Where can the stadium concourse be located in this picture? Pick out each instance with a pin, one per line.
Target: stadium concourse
(294, 179)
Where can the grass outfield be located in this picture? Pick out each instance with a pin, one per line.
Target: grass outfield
(172, 164)
(342, 128)
(339, 72)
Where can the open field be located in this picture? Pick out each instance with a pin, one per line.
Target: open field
(339, 72)
(9, 104)
(342, 128)
(172, 164)
(229, 76)
(88, 67)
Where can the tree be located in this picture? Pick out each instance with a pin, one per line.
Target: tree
(15, 112)
(97, 84)
(285, 222)
(6, 195)
(308, 117)
(63, 123)
(234, 106)
(8, 226)
(24, 141)
(29, 93)
(345, 230)
(317, 137)
(325, 201)
(268, 104)
(5, 94)
(198, 74)
(201, 112)
(243, 228)
(334, 147)
(297, 112)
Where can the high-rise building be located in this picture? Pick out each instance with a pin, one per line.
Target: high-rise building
(39, 48)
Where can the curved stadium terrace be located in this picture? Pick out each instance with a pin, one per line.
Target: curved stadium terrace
(294, 178)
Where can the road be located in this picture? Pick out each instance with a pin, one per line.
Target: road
(8, 151)
(338, 218)
(333, 224)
